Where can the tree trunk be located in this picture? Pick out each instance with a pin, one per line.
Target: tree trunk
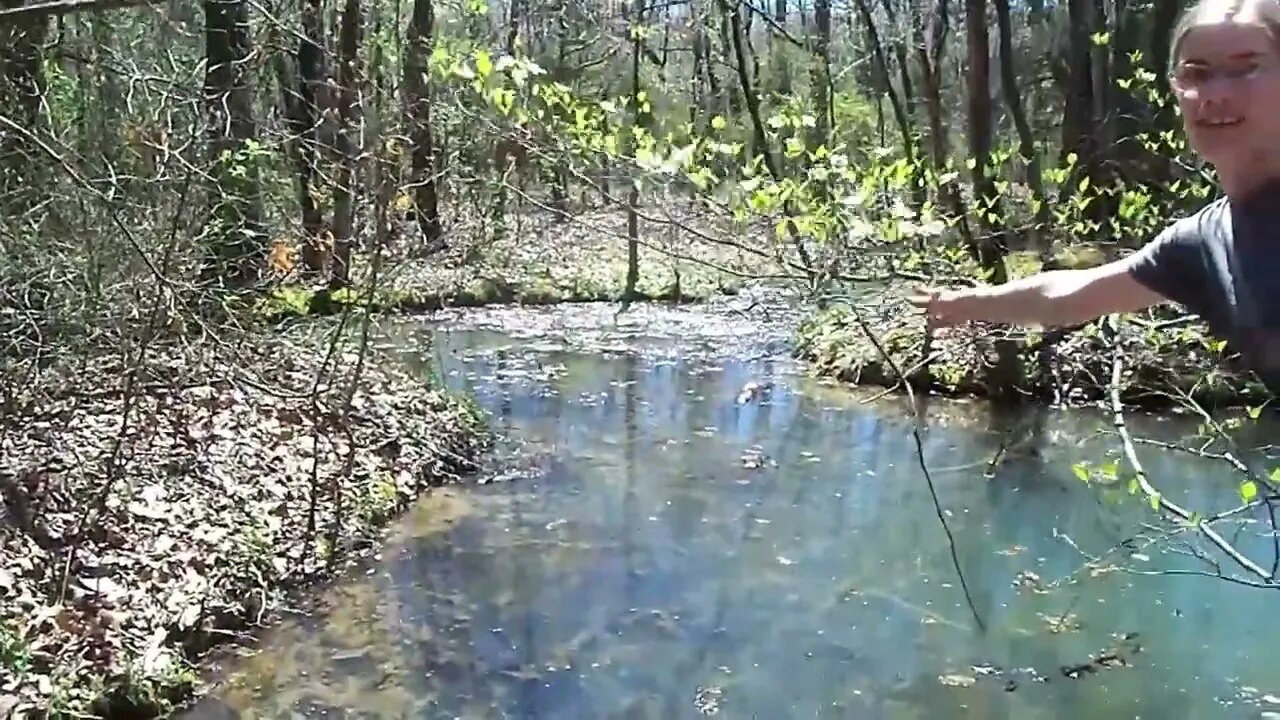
(344, 190)
(820, 77)
(931, 52)
(21, 90)
(418, 111)
(757, 125)
(629, 292)
(778, 49)
(1077, 114)
(1040, 237)
(989, 251)
(239, 244)
(513, 25)
(905, 128)
(298, 91)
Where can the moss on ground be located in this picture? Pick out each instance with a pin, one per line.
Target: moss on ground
(126, 556)
(1164, 362)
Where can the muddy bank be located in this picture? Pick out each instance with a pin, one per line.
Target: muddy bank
(143, 524)
(1166, 359)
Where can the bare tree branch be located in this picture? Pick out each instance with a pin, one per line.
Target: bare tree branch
(1130, 453)
(66, 7)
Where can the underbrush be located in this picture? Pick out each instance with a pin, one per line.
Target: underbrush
(152, 511)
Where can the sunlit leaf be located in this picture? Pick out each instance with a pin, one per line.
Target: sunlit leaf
(1081, 472)
(1248, 490)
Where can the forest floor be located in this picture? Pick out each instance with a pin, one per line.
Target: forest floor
(540, 260)
(142, 524)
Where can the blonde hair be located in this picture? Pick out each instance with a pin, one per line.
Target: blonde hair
(1266, 13)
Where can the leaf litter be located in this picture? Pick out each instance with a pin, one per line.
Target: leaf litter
(129, 547)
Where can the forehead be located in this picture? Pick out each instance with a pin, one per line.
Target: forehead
(1220, 36)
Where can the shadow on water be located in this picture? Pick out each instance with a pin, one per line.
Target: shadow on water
(669, 552)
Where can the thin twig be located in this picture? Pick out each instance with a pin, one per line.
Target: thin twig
(1155, 496)
(924, 466)
(65, 7)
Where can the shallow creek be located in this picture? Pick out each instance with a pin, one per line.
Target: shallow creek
(659, 543)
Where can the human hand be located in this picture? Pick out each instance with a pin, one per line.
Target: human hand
(942, 307)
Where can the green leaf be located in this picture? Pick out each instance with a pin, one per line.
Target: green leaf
(503, 99)
(718, 122)
(647, 159)
(1248, 490)
(1155, 501)
(1082, 472)
(484, 63)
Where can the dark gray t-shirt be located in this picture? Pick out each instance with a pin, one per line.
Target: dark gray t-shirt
(1223, 264)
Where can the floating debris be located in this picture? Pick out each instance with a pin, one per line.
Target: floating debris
(707, 699)
(956, 680)
(1027, 580)
(1117, 655)
(1060, 623)
(752, 391)
(755, 458)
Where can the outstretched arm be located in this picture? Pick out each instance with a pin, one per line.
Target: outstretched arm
(1055, 298)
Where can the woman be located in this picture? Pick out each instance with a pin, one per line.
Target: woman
(1223, 262)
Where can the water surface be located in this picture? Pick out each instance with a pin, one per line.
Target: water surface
(667, 550)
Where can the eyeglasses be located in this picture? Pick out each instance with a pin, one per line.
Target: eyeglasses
(1196, 76)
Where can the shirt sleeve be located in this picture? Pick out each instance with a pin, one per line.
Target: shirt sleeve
(1173, 264)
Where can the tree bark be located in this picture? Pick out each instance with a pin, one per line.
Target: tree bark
(239, 244)
(21, 90)
(418, 110)
(344, 189)
(1041, 239)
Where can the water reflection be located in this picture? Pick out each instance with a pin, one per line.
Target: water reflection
(677, 552)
